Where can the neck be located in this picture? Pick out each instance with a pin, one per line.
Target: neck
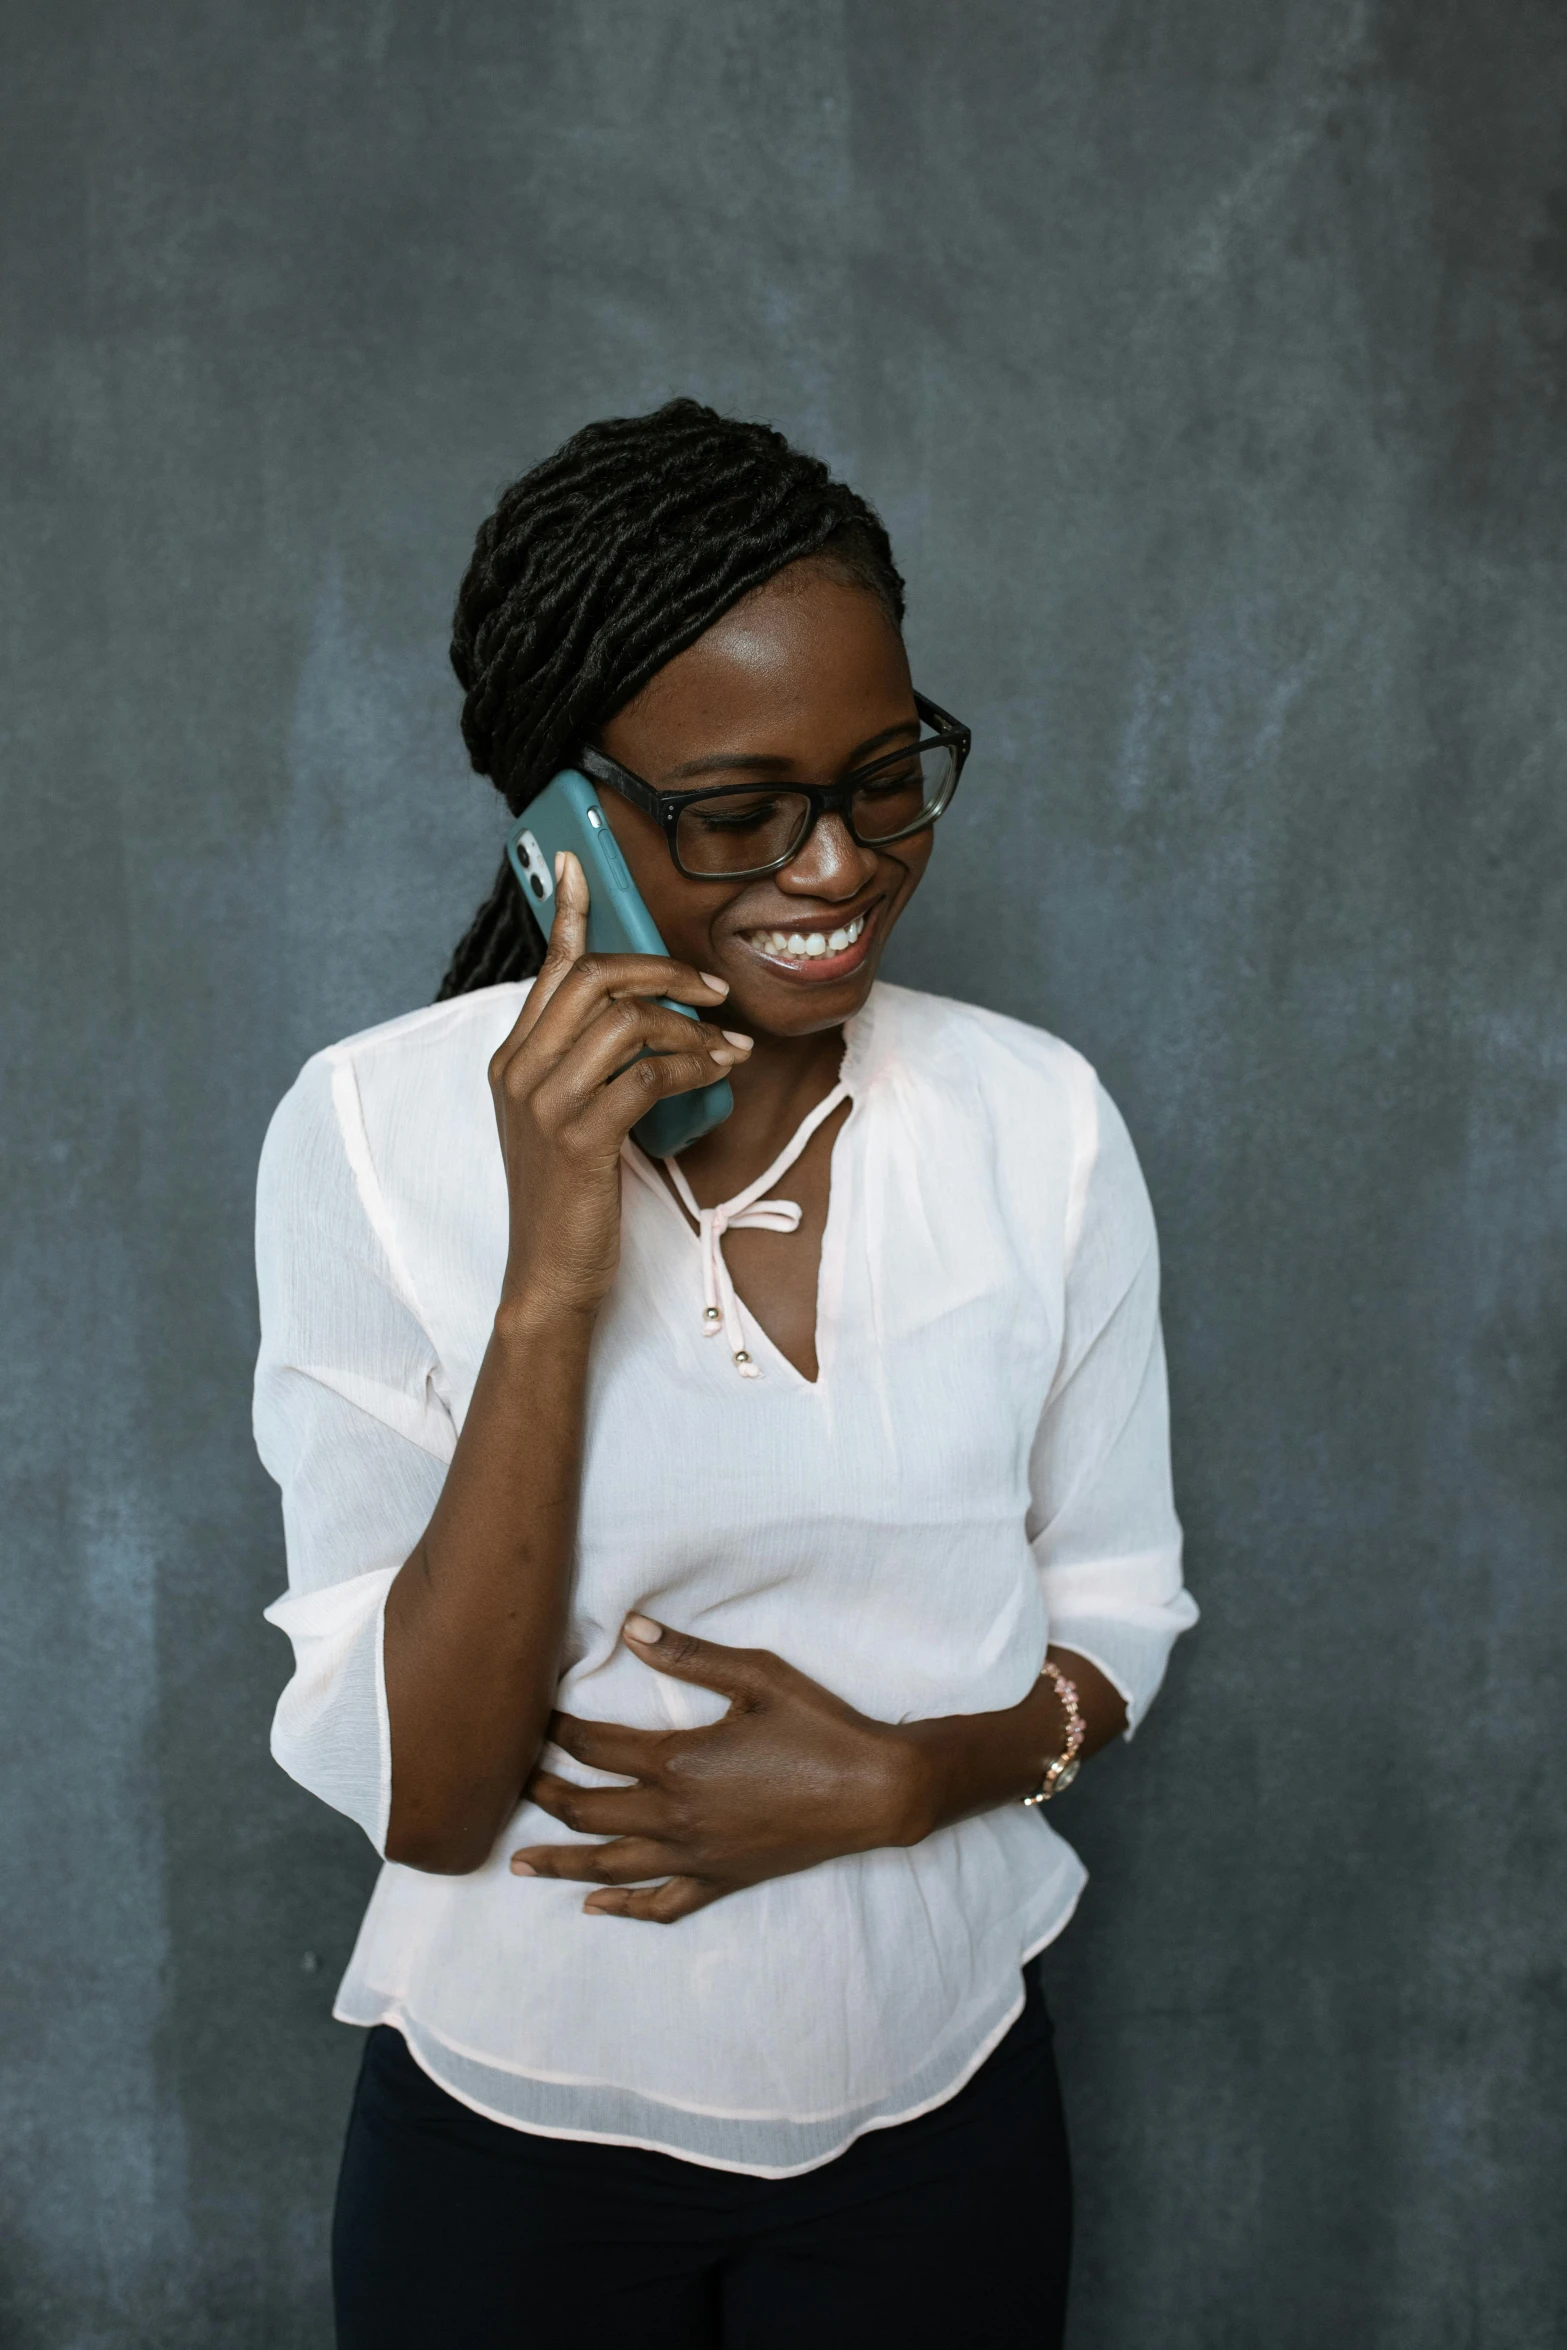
(781, 1082)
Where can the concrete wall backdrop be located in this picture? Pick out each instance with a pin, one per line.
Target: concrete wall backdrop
(1208, 363)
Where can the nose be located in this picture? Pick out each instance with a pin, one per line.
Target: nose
(831, 863)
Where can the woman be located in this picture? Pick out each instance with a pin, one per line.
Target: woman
(656, 1529)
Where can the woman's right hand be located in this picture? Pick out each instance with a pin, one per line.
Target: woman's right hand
(563, 1112)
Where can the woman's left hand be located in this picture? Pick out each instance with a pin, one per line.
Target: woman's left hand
(790, 1776)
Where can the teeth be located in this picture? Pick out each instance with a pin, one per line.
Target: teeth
(803, 945)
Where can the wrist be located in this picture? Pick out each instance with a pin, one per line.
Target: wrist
(916, 1801)
(1064, 1763)
(530, 1318)
(954, 1766)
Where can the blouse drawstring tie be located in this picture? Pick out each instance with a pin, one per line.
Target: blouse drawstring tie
(747, 1211)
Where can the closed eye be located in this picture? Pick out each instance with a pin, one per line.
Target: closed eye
(734, 815)
(908, 775)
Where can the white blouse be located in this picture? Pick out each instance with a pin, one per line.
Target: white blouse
(981, 1467)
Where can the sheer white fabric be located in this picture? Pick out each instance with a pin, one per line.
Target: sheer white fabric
(982, 1466)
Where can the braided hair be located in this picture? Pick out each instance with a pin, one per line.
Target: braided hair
(597, 568)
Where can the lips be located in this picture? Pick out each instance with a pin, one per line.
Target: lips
(815, 950)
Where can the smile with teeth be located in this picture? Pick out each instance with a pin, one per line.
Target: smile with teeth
(803, 946)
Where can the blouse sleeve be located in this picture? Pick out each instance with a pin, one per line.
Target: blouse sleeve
(349, 1422)
(1102, 1523)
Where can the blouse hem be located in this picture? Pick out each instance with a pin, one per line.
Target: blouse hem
(366, 2014)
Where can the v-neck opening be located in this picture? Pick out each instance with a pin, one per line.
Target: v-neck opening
(652, 1175)
(820, 1320)
(825, 1323)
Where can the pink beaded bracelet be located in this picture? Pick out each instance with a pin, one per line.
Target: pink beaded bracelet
(1065, 1768)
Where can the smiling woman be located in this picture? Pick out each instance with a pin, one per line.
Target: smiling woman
(785, 1665)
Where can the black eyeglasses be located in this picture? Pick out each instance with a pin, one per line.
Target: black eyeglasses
(743, 830)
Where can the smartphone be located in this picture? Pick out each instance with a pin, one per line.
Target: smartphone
(567, 815)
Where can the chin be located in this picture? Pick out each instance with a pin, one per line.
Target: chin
(785, 1009)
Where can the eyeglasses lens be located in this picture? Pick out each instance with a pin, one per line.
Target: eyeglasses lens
(744, 832)
(899, 796)
(741, 832)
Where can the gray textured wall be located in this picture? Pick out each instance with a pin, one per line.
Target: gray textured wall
(1208, 363)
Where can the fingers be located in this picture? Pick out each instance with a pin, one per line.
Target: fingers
(596, 1811)
(630, 1096)
(659, 1905)
(625, 1860)
(743, 1675)
(592, 981)
(617, 1036)
(609, 1746)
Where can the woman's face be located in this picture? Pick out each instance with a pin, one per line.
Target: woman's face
(803, 680)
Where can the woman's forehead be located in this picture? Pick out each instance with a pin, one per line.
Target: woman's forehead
(797, 659)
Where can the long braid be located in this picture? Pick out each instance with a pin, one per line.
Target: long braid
(597, 568)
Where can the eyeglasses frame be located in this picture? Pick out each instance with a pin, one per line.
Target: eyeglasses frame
(666, 807)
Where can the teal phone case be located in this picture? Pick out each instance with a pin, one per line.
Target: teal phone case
(567, 815)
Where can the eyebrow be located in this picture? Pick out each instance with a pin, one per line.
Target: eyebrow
(772, 762)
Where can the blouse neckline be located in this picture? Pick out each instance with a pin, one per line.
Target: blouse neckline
(751, 1209)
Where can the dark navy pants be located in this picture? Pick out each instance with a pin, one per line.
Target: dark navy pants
(455, 2233)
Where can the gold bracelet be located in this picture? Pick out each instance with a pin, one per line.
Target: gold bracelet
(1065, 1768)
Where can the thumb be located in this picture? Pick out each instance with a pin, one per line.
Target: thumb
(740, 1674)
(568, 938)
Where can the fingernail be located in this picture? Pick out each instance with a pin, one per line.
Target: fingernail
(644, 1629)
(523, 1868)
(723, 1056)
(744, 1042)
(711, 979)
(560, 863)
